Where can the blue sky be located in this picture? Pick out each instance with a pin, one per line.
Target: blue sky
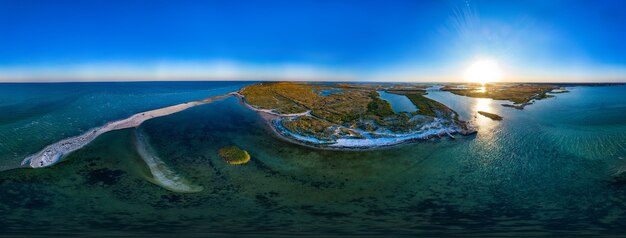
(343, 40)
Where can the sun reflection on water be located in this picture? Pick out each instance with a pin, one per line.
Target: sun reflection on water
(483, 104)
(484, 123)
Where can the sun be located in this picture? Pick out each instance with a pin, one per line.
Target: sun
(483, 71)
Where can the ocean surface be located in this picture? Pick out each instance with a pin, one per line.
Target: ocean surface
(553, 168)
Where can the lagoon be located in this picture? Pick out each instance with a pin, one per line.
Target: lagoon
(399, 103)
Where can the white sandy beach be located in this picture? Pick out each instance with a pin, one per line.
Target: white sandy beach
(54, 152)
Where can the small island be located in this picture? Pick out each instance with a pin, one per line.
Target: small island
(234, 155)
(493, 116)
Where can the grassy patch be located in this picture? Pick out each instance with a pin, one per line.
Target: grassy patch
(309, 126)
(273, 96)
(379, 107)
(288, 97)
(234, 155)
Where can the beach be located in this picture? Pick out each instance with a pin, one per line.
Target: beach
(54, 152)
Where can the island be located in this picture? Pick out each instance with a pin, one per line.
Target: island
(350, 116)
(492, 116)
(234, 155)
(520, 94)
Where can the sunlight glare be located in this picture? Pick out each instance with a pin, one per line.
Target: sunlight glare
(483, 71)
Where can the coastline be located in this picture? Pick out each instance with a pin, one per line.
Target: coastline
(53, 153)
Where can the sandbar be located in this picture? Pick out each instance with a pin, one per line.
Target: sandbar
(54, 152)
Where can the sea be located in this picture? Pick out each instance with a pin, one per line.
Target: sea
(554, 168)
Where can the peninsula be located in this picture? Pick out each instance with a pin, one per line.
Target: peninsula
(350, 116)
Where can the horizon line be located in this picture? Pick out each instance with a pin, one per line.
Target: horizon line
(226, 79)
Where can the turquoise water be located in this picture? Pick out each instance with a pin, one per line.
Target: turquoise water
(399, 103)
(35, 115)
(549, 169)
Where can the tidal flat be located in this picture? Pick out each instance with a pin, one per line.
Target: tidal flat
(554, 168)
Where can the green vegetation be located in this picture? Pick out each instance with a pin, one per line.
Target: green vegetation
(494, 117)
(309, 126)
(349, 108)
(234, 155)
(516, 93)
(354, 103)
(288, 97)
(379, 107)
(273, 96)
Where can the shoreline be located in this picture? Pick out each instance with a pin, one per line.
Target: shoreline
(53, 153)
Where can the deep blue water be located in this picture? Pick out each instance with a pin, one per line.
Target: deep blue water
(550, 169)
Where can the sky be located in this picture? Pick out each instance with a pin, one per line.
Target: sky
(421, 41)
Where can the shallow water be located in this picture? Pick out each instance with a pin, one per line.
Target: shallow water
(545, 170)
(35, 115)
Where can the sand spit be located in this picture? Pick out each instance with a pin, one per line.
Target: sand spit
(54, 152)
(162, 175)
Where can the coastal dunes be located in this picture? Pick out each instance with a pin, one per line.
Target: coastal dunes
(51, 154)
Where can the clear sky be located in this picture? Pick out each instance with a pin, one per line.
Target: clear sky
(541, 40)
